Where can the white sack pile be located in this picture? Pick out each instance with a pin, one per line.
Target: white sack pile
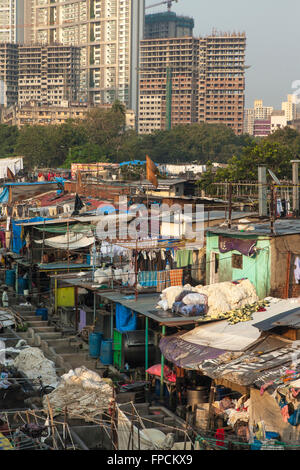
(222, 297)
(227, 296)
(83, 392)
(33, 363)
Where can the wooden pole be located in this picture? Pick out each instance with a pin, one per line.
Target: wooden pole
(55, 294)
(76, 309)
(136, 273)
(146, 345)
(287, 283)
(68, 238)
(272, 209)
(211, 400)
(230, 206)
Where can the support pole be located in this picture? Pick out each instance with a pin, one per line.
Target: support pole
(146, 345)
(295, 166)
(273, 209)
(162, 361)
(55, 293)
(230, 205)
(76, 309)
(112, 321)
(262, 191)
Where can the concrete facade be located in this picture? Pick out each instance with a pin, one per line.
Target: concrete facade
(168, 25)
(108, 32)
(207, 78)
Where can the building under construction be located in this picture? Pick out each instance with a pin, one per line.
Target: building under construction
(185, 80)
(168, 25)
(8, 74)
(45, 74)
(48, 74)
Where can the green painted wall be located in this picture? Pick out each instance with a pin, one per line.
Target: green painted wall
(257, 269)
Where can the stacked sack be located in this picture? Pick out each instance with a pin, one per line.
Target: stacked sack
(214, 300)
(184, 301)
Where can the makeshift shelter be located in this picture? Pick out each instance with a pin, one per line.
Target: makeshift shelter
(253, 251)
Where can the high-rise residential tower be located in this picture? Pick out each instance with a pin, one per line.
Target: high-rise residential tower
(168, 25)
(290, 107)
(187, 80)
(222, 79)
(108, 32)
(8, 74)
(15, 21)
(168, 83)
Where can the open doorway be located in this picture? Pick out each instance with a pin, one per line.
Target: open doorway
(214, 267)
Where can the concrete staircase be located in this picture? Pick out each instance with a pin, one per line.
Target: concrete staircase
(65, 351)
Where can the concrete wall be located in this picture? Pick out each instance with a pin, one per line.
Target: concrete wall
(257, 269)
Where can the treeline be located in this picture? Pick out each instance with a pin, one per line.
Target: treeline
(102, 136)
(275, 151)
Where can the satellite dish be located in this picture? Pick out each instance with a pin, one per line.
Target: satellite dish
(274, 177)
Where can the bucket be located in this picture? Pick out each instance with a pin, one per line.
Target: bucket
(43, 312)
(157, 389)
(22, 284)
(10, 277)
(106, 354)
(95, 340)
(197, 395)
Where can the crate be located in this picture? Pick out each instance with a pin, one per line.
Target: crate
(117, 349)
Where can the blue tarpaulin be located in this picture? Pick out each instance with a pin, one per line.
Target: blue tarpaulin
(17, 242)
(125, 319)
(133, 162)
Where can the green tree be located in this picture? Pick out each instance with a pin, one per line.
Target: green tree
(276, 156)
(48, 146)
(8, 140)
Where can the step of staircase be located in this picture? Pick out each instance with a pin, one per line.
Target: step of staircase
(51, 335)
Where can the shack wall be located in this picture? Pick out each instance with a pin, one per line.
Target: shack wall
(282, 268)
(257, 268)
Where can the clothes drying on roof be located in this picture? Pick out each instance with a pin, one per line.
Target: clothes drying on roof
(73, 241)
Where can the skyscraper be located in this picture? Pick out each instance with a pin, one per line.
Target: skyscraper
(168, 25)
(222, 79)
(108, 32)
(186, 80)
(290, 107)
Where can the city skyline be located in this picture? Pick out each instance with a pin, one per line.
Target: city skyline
(262, 22)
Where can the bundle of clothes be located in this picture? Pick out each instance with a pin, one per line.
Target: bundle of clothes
(233, 300)
(184, 301)
(190, 304)
(287, 395)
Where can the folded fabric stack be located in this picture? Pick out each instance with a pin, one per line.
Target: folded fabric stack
(190, 304)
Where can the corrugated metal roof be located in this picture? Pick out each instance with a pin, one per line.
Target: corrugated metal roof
(266, 360)
(289, 318)
(281, 227)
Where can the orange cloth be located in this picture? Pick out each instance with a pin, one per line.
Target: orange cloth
(176, 276)
(151, 171)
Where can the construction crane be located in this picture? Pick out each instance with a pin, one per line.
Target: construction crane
(164, 2)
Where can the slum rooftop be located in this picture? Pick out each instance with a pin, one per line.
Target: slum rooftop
(281, 227)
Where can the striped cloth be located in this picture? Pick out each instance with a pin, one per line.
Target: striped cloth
(163, 280)
(176, 276)
(147, 278)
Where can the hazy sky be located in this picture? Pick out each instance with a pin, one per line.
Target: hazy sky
(273, 40)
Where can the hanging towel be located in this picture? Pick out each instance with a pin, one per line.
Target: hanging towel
(147, 278)
(176, 276)
(163, 280)
(82, 322)
(184, 258)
